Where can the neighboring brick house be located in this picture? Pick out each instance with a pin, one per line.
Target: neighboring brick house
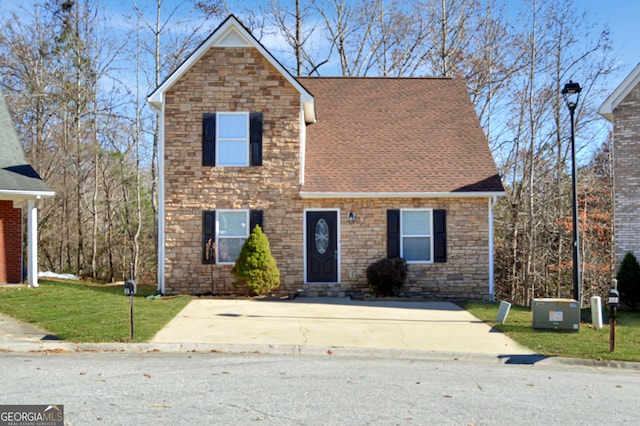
(20, 187)
(340, 172)
(622, 108)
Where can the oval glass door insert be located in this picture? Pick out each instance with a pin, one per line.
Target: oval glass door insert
(322, 236)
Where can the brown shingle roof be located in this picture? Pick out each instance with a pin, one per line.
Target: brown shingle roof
(395, 135)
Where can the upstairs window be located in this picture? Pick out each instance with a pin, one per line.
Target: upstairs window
(232, 139)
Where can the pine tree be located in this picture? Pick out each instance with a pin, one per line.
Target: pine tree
(256, 267)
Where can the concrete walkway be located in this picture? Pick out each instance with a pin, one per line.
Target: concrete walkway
(13, 330)
(336, 323)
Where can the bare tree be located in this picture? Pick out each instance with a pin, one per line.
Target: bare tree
(174, 35)
(556, 46)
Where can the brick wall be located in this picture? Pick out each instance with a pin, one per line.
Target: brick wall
(626, 176)
(10, 243)
(241, 79)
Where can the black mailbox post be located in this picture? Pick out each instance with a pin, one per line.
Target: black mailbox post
(130, 289)
(613, 300)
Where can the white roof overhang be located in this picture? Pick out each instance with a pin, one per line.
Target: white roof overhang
(621, 92)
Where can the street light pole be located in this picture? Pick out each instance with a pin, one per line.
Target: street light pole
(571, 94)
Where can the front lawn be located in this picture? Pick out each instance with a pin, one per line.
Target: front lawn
(588, 343)
(85, 312)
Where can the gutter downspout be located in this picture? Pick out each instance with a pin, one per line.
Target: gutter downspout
(303, 143)
(161, 209)
(492, 202)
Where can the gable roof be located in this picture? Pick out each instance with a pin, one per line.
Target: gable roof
(396, 137)
(231, 33)
(621, 92)
(17, 178)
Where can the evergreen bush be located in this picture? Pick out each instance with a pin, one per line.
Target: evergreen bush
(256, 267)
(387, 276)
(628, 277)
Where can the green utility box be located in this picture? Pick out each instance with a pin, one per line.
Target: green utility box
(556, 314)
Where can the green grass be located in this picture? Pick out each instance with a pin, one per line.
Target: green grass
(84, 312)
(588, 343)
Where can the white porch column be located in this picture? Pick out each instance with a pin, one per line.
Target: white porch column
(32, 243)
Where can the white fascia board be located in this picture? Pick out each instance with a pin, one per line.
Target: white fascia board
(11, 194)
(627, 85)
(232, 34)
(318, 195)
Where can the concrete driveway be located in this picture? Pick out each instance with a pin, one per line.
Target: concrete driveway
(336, 323)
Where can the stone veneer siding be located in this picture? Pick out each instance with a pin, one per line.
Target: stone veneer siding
(626, 176)
(230, 79)
(465, 275)
(10, 243)
(240, 79)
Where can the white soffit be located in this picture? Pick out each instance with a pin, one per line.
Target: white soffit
(232, 38)
(318, 195)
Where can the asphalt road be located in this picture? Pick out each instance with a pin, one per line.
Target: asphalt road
(235, 389)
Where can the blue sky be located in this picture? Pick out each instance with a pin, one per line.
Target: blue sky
(621, 16)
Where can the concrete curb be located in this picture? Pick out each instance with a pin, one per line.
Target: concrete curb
(61, 347)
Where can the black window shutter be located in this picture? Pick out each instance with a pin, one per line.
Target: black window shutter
(393, 233)
(255, 218)
(209, 139)
(209, 236)
(440, 235)
(255, 138)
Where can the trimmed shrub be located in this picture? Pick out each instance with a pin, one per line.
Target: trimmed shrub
(387, 276)
(256, 267)
(628, 277)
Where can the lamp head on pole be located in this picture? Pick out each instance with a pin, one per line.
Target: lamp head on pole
(571, 94)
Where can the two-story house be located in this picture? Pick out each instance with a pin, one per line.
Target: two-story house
(339, 172)
(622, 108)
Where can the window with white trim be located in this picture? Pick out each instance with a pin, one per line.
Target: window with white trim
(232, 136)
(232, 229)
(416, 235)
